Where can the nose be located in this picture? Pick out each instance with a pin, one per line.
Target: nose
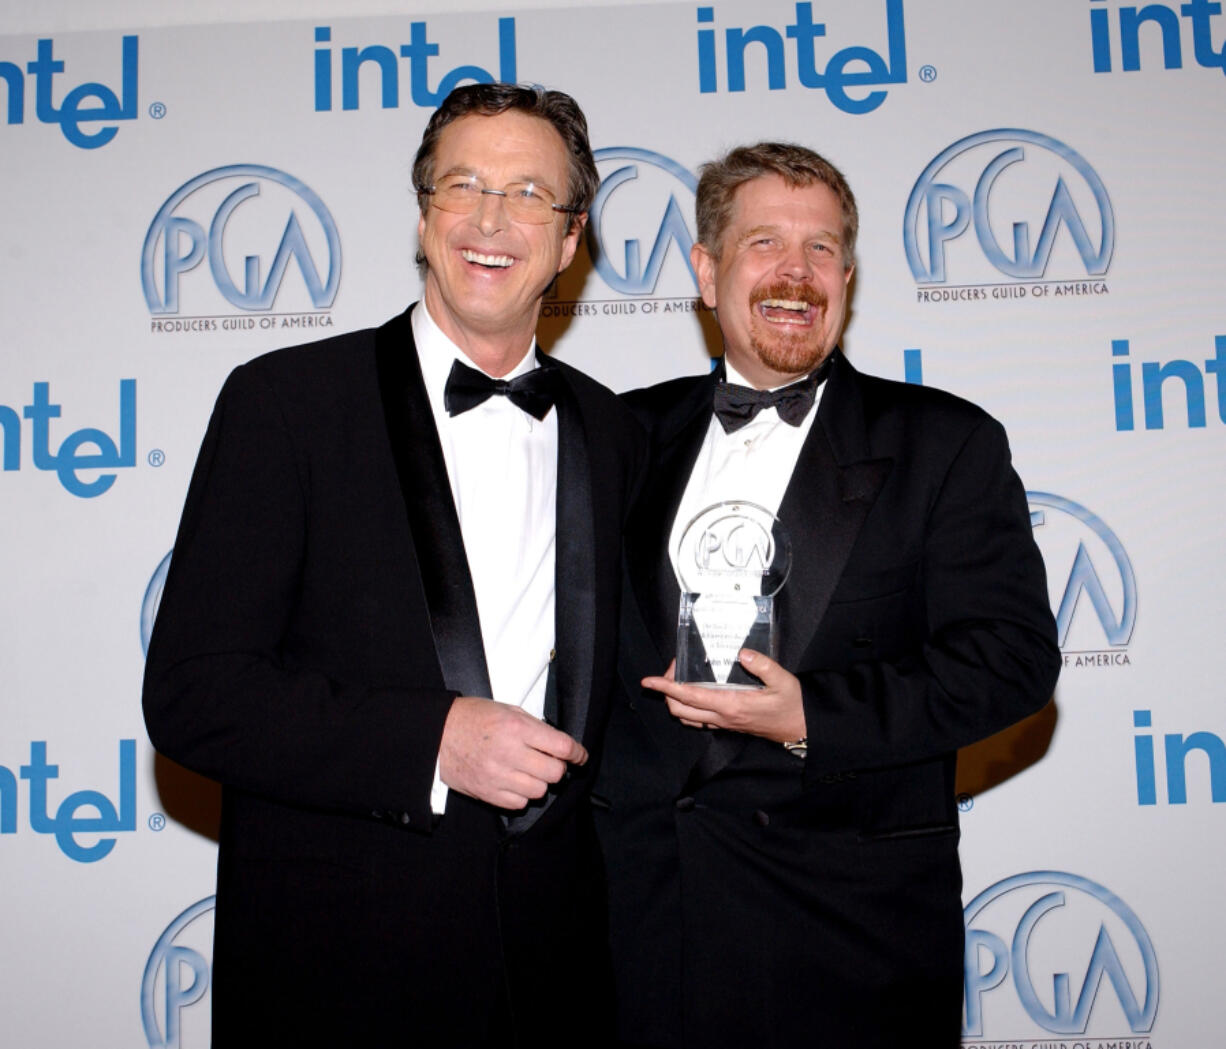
(491, 213)
(795, 263)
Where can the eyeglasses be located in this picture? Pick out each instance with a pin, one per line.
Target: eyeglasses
(524, 201)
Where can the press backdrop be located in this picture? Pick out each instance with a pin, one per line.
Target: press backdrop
(1042, 230)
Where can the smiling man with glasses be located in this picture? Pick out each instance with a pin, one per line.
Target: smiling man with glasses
(390, 633)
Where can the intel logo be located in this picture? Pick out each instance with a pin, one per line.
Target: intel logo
(88, 449)
(82, 107)
(243, 237)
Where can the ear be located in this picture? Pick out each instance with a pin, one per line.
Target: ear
(847, 274)
(704, 269)
(570, 242)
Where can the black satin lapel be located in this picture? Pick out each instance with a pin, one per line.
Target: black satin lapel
(823, 509)
(433, 522)
(575, 558)
(677, 436)
(575, 583)
(651, 571)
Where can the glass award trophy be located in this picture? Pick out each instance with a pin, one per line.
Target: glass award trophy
(731, 561)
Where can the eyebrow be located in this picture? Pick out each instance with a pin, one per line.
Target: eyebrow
(463, 169)
(775, 228)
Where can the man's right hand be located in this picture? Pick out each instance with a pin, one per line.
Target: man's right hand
(502, 755)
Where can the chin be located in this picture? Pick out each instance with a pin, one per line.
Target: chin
(788, 359)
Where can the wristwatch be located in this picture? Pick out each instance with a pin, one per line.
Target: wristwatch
(799, 747)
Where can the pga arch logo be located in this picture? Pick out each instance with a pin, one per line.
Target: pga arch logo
(639, 235)
(152, 600)
(174, 1005)
(249, 223)
(1089, 575)
(1059, 953)
(1036, 208)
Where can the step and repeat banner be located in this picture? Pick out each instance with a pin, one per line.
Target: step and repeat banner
(1042, 226)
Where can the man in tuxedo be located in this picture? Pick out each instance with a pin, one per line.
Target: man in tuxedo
(782, 862)
(389, 631)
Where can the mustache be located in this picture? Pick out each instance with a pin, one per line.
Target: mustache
(782, 289)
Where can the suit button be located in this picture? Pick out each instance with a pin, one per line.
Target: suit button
(377, 814)
(405, 819)
(685, 804)
(762, 819)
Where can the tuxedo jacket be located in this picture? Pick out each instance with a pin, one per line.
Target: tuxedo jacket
(762, 899)
(316, 623)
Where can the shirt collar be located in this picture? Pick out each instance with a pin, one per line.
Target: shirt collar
(436, 352)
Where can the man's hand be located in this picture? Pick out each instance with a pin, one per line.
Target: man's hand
(500, 754)
(774, 712)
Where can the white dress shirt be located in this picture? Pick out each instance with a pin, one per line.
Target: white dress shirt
(503, 468)
(752, 465)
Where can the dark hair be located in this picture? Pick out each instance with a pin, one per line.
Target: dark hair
(796, 165)
(488, 100)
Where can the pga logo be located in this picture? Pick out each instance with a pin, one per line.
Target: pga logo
(242, 237)
(1008, 203)
(174, 992)
(638, 234)
(1054, 953)
(1092, 584)
(152, 601)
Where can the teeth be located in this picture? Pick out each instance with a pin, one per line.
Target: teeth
(501, 261)
(786, 304)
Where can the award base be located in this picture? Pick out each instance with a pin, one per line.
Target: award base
(713, 628)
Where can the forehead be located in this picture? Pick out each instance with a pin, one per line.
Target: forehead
(509, 145)
(770, 201)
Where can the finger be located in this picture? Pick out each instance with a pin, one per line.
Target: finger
(694, 716)
(556, 743)
(711, 701)
(506, 799)
(697, 724)
(761, 666)
(523, 783)
(659, 682)
(695, 695)
(541, 766)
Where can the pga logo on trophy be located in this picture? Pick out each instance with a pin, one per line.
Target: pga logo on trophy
(732, 560)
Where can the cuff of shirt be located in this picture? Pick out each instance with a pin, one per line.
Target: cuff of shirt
(438, 793)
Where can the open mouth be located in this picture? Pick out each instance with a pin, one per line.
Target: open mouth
(498, 262)
(787, 311)
(786, 303)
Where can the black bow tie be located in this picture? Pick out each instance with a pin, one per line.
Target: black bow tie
(535, 391)
(735, 406)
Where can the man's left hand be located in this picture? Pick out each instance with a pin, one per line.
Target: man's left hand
(774, 712)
